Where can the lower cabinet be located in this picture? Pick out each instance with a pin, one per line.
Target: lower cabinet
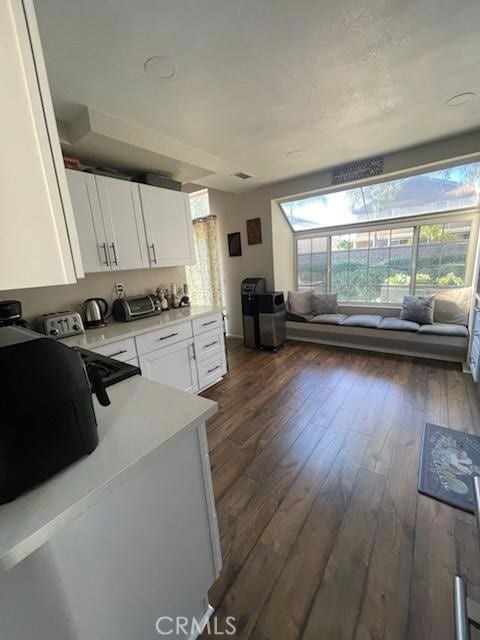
(174, 365)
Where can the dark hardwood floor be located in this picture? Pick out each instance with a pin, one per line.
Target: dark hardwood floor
(314, 454)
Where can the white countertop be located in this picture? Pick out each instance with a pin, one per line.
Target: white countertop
(142, 416)
(119, 330)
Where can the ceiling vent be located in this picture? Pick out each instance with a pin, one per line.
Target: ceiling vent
(242, 175)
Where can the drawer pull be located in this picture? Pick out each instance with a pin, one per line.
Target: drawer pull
(461, 617)
(214, 369)
(205, 324)
(170, 335)
(117, 353)
(210, 344)
(476, 333)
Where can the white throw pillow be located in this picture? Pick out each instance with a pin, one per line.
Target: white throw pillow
(300, 302)
(452, 306)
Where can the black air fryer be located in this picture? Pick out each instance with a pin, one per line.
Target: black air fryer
(47, 415)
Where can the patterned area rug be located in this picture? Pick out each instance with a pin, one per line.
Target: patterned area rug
(448, 462)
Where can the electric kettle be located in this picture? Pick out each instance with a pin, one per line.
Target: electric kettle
(96, 311)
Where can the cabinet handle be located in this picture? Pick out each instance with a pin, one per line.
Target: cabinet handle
(171, 335)
(152, 247)
(205, 324)
(117, 353)
(461, 616)
(214, 369)
(104, 247)
(477, 309)
(115, 259)
(210, 344)
(476, 333)
(476, 495)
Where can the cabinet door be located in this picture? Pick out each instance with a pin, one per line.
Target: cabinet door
(123, 221)
(37, 238)
(88, 218)
(168, 223)
(174, 366)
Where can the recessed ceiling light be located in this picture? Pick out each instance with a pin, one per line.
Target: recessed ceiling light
(160, 67)
(460, 98)
(296, 153)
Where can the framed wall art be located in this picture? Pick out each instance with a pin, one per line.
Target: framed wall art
(234, 244)
(254, 231)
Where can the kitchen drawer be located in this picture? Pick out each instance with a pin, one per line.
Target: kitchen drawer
(476, 323)
(211, 370)
(122, 350)
(207, 323)
(209, 344)
(159, 338)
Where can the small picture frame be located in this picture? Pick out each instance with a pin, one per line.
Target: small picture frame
(234, 244)
(254, 231)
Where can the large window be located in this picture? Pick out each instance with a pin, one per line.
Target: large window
(445, 190)
(381, 265)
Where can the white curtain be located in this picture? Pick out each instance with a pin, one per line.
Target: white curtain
(203, 278)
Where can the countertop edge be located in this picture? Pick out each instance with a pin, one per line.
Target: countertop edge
(133, 328)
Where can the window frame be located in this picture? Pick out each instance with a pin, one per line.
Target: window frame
(443, 217)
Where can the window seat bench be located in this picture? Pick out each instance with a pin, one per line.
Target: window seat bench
(386, 333)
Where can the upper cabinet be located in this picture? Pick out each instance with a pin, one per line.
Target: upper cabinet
(123, 221)
(124, 225)
(38, 238)
(89, 220)
(109, 222)
(168, 223)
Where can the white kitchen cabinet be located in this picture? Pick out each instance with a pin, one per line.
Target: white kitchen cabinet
(89, 221)
(123, 221)
(174, 366)
(168, 225)
(38, 241)
(109, 220)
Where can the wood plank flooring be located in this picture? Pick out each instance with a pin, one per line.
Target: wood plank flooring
(314, 455)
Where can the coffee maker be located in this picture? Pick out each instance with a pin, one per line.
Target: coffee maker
(11, 314)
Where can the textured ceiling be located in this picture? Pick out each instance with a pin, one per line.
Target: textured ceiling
(256, 79)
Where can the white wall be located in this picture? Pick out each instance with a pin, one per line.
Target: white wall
(68, 297)
(259, 260)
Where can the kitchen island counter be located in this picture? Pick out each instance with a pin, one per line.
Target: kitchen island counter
(143, 415)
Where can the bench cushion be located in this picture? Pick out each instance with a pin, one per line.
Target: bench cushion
(396, 324)
(444, 329)
(363, 320)
(298, 317)
(329, 318)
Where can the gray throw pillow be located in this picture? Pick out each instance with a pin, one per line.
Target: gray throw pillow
(324, 303)
(300, 302)
(418, 309)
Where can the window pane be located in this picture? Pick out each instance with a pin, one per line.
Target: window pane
(372, 267)
(333, 209)
(199, 204)
(442, 256)
(444, 190)
(304, 263)
(319, 265)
